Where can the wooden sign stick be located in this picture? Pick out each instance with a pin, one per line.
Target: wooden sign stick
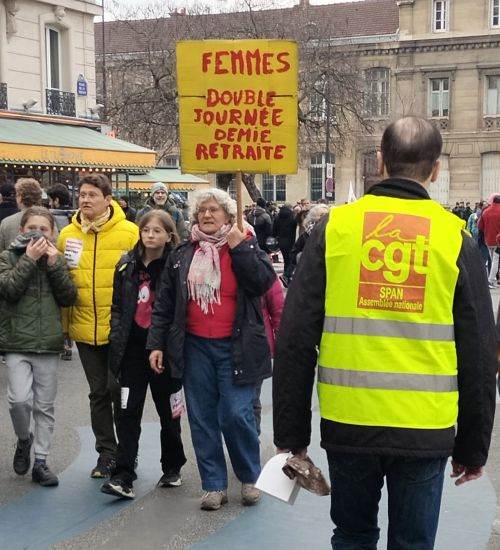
(239, 200)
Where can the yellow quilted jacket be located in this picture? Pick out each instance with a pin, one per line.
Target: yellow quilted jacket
(91, 259)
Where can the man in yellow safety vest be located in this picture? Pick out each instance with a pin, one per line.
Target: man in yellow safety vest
(394, 293)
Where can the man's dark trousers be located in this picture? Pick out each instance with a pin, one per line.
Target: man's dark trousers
(104, 396)
(414, 486)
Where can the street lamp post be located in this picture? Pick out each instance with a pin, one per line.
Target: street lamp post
(104, 84)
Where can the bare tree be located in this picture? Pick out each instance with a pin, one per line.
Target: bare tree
(142, 97)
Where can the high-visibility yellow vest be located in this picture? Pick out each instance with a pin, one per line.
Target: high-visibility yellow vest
(387, 354)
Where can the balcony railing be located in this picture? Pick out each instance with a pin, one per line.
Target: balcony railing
(60, 103)
(441, 123)
(491, 123)
(3, 96)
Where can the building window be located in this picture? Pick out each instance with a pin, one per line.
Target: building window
(274, 188)
(440, 97)
(221, 184)
(370, 170)
(493, 95)
(317, 174)
(377, 92)
(440, 15)
(490, 176)
(318, 101)
(53, 55)
(439, 190)
(171, 161)
(495, 13)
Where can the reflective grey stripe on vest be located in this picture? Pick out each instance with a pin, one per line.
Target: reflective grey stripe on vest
(387, 380)
(395, 329)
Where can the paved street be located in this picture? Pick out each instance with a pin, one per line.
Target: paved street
(77, 516)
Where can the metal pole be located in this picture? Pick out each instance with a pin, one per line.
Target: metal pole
(327, 137)
(73, 190)
(104, 84)
(239, 200)
(127, 191)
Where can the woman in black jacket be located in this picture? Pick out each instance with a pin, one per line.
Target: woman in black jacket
(137, 275)
(207, 321)
(285, 230)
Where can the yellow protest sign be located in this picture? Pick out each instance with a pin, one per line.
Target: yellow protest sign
(238, 105)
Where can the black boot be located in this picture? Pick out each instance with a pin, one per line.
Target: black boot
(22, 461)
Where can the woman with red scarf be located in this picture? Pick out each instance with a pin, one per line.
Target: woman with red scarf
(207, 329)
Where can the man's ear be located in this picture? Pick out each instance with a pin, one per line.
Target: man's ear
(380, 164)
(108, 199)
(435, 171)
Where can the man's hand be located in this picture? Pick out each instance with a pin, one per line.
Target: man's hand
(36, 249)
(465, 474)
(302, 453)
(235, 237)
(156, 361)
(52, 254)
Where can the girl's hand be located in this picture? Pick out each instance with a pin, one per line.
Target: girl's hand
(52, 254)
(36, 249)
(156, 361)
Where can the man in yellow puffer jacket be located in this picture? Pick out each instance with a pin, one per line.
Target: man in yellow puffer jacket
(92, 245)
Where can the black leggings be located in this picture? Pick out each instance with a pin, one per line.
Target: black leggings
(136, 375)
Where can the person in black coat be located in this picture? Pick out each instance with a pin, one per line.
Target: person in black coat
(137, 275)
(285, 230)
(8, 206)
(130, 213)
(262, 224)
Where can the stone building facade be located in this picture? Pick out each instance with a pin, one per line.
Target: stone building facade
(439, 59)
(444, 64)
(47, 56)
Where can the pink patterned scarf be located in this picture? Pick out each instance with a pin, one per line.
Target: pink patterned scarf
(204, 275)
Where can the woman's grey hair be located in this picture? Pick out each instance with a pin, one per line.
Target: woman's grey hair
(219, 196)
(315, 213)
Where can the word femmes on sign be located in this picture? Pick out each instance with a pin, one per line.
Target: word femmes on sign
(245, 62)
(243, 122)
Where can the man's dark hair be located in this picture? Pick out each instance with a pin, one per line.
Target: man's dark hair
(496, 199)
(60, 191)
(7, 190)
(410, 148)
(97, 180)
(261, 202)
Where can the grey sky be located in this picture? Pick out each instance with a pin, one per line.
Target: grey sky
(121, 8)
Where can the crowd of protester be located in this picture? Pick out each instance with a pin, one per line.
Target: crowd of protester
(161, 298)
(216, 314)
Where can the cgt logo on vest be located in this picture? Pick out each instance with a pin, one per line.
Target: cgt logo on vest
(394, 262)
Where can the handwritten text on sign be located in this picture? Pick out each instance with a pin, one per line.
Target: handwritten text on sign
(238, 105)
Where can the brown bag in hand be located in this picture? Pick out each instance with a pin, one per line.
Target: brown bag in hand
(307, 475)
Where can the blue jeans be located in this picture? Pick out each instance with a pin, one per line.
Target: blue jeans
(217, 407)
(414, 486)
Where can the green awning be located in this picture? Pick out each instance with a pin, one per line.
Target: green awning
(171, 176)
(52, 144)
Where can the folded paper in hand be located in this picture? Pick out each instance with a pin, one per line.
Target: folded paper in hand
(274, 482)
(177, 404)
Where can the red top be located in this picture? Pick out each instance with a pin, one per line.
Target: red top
(218, 324)
(489, 224)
